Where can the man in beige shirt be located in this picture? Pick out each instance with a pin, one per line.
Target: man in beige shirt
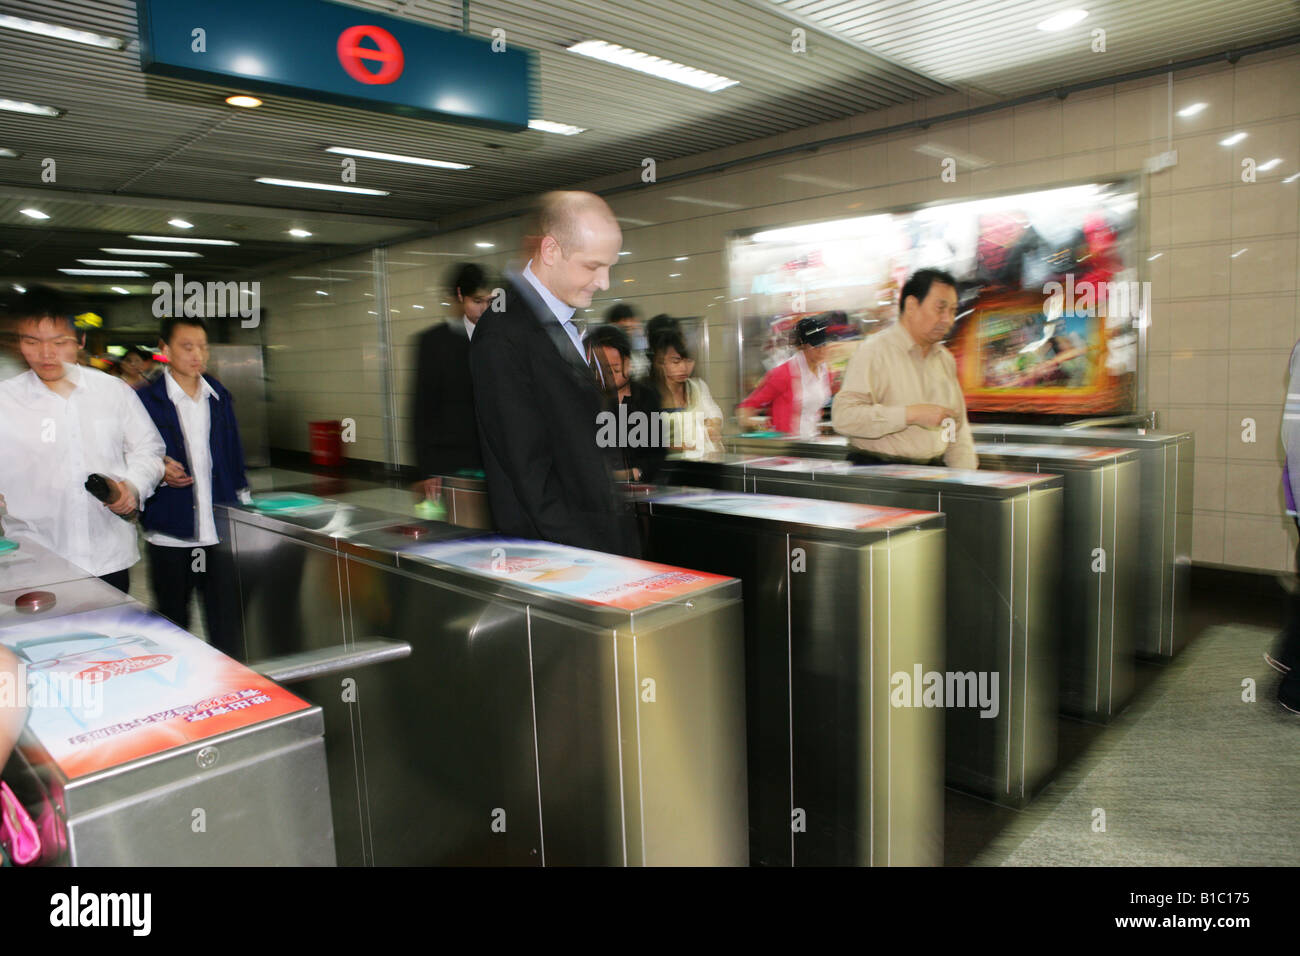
(900, 401)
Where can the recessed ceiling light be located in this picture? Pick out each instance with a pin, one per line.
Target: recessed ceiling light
(653, 65)
(485, 245)
(674, 275)
(124, 263)
(1062, 20)
(1232, 140)
(247, 102)
(103, 272)
(180, 223)
(185, 240)
(1192, 109)
(1271, 164)
(19, 288)
(417, 307)
(120, 291)
(328, 187)
(321, 292)
(564, 129)
(61, 33)
(8, 153)
(35, 109)
(299, 233)
(174, 253)
(396, 157)
(33, 213)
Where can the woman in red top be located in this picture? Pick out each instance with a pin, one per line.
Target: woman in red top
(796, 390)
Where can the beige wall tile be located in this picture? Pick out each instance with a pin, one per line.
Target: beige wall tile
(1201, 215)
(1255, 542)
(1207, 537)
(1265, 90)
(1264, 265)
(1253, 488)
(1258, 377)
(1203, 162)
(1210, 484)
(1262, 322)
(1197, 270)
(1210, 426)
(1198, 378)
(1267, 446)
(1157, 379)
(1265, 207)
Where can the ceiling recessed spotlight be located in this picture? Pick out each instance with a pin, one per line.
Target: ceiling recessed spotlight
(1062, 21)
(120, 291)
(174, 253)
(328, 187)
(103, 272)
(184, 240)
(654, 65)
(33, 213)
(32, 109)
(61, 33)
(180, 223)
(1192, 109)
(563, 129)
(485, 245)
(1232, 140)
(299, 233)
(395, 157)
(246, 102)
(1273, 163)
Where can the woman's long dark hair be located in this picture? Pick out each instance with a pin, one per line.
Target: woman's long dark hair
(662, 333)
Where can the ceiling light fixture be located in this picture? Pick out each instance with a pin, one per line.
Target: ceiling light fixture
(19, 288)
(485, 245)
(34, 109)
(396, 157)
(124, 263)
(653, 65)
(33, 213)
(175, 253)
(1062, 21)
(244, 101)
(1192, 109)
(103, 272)
(185, 240)
(328, 187)
(563, 129)
(8, 22)
(120, 291)
(8, 153)
(1232, 140)
(299, 233)
(180, 223)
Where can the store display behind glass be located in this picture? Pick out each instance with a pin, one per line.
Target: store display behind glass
(1022, 344)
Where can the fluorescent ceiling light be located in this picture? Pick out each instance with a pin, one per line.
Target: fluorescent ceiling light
(1232, 140)
(299, 233)
(713, 203)
(395, 158)
(175, 253)
(19, 288)
(243, 101)
(1062, 20)
(1271, 164)
(60, 33)
(120, 291)
(625, 253)
(328, 187)
(8, 153)
(564, 129)
(33, 213)
(185, 240)
(321, 292)
(653, 65)
(125, 263)
(681, 258)
(1192, 109)
(485, 245)
(103, 272)
(35, 109)
(180, 223)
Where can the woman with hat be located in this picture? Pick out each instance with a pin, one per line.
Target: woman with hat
(796, 390)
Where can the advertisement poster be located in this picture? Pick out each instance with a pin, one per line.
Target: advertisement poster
(837, 515)
(590, 577)
(109, 686)
(1066, 452)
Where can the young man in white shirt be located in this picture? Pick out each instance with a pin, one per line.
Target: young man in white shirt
(204, 466)
(60, 423)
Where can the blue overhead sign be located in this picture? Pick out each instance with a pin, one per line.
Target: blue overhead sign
(319, 50)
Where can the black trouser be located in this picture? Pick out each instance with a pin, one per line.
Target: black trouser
(860, 457)
(1288, 649)
(119, 579)
(177, 572)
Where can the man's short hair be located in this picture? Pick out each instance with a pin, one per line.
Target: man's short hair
(40, 302)
(611, 336)
(139, 353)
(558, 213)
(168, 326)
(620, 312)
(918, 285)
(467, 278)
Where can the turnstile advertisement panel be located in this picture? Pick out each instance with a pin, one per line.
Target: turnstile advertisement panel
(140, 730)
(840, 600)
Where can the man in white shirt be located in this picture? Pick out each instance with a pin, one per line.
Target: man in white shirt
(59, 424)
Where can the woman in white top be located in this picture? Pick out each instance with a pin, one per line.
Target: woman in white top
(694, 418)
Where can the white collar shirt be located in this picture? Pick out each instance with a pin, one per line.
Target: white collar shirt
(561, 311)
(814, 393)
(52, 444)
(196, 426)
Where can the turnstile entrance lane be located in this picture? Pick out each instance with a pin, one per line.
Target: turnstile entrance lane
(1099, 545)
(840, 600)
(1167, 471)
(1002, 535)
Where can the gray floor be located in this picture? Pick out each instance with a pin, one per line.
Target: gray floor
(1188, 775)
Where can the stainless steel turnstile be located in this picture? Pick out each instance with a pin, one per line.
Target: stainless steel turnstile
(559, 706)
(1166, 477)
(843, 614)
(833, 447)
(145, 746)
(1099, 547)
(1002, 535)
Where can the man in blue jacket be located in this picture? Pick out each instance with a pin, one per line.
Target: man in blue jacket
(204, 466)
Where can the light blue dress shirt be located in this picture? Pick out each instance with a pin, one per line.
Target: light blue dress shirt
(562, 311)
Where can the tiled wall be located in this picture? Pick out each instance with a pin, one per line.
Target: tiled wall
(1222, 259)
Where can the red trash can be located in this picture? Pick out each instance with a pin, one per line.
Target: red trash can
(326, 440)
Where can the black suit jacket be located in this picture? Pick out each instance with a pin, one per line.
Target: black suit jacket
(537, 403)
(446, 436)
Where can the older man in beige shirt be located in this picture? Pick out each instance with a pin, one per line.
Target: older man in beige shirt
(901, 400)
